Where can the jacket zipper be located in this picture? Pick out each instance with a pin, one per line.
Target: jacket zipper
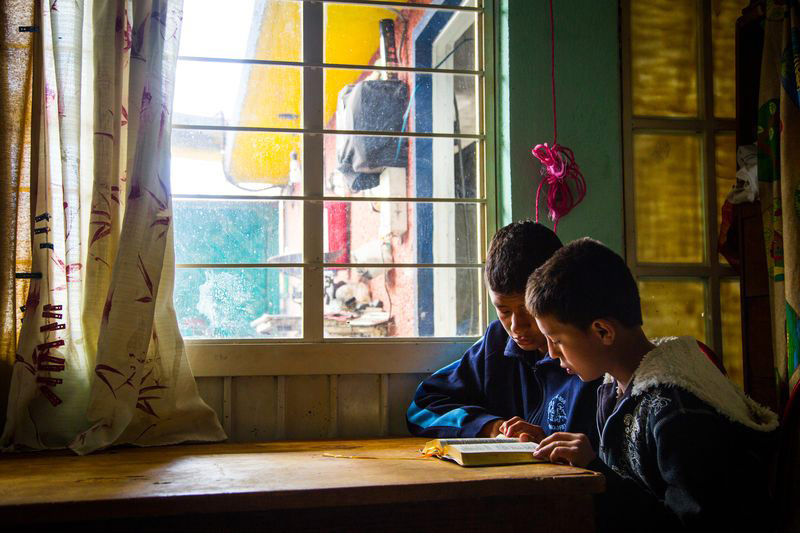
(541, 395)
(616, 408)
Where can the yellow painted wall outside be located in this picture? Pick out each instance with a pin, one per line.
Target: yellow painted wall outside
(274, 97)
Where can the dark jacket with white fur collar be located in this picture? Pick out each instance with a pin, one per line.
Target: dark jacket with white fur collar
(683, 448)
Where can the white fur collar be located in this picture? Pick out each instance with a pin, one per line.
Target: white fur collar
(679, 362)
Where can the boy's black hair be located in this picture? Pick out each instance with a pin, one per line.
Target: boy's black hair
(582, 282)
(515, 252)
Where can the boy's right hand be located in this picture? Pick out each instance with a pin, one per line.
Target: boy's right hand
(516, 426)
(572, 448)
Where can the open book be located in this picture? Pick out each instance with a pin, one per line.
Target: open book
(483, 452)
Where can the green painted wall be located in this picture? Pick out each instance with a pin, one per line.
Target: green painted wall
(589, 109)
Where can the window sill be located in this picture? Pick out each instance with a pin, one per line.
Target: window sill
(257, 358)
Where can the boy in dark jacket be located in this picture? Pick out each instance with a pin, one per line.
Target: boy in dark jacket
(506, 383)
(681, 446)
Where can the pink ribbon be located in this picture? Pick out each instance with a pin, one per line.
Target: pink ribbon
(558, 170)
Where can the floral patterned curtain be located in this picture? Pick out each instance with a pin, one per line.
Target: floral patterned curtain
(100, 360)
(779, 179)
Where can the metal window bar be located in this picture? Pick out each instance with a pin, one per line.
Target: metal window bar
(273, 198)
(337, 66)
(324, 131)
(329, 265)
(313, 212)
(396, 5)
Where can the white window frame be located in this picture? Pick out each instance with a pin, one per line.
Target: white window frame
(315, 354)
(444, 238)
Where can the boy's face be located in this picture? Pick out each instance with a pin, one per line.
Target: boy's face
(518, 323)
(579, 352)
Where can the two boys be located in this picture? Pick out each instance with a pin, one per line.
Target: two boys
(506, 383)
(680, 446)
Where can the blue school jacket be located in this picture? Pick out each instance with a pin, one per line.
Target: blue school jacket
(497, 379)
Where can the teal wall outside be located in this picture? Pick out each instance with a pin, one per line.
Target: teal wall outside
(214, 232)
(589, 110)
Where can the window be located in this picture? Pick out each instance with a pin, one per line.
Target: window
(329, 181)
(680, 162)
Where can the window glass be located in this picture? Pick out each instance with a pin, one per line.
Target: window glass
(397, 232)
(443, 167)
(724, 171)
(230, 303)
(672, 122)
(668, 198)
(353, 34)
(379, 232)
(365, 302)
(441, 103)
(723, 33)
(672, 308)
(226, 231)
(261, 96)
(664, 57)
(236, 30)
(233, 163)
(731, 307)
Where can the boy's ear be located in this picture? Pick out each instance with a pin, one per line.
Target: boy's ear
(604, 331)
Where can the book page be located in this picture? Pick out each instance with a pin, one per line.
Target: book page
(506, 447)
(478, 440)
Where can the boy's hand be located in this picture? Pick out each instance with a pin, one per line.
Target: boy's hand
(516, 427)
(571, 448)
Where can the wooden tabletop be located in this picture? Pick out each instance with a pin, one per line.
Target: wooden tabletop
(260, 476)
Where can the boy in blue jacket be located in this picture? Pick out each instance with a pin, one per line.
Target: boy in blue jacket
(680, 445)
(506, 383)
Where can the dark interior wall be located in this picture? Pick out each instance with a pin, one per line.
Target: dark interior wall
(589, 109)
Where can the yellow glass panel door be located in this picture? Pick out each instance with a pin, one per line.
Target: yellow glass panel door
(730, 306)
(673, 308)
(724, 168)
(723, 32)
(725, 172)
(664, 57)
(668, 198)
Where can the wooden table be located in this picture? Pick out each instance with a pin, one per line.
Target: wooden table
(289, 486)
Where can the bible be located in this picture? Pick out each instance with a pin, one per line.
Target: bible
(482, 451)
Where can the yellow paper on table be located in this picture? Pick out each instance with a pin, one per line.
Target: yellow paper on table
(482, 451)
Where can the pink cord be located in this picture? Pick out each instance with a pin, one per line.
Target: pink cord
(553, 71)
(559, 166)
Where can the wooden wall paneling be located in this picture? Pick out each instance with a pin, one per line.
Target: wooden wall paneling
(359, 406)
(280, 406)
(253, 408)
(333, 390)
(263, 408)
(401, 391)
(210, 390)
(227, 418)
(384, 415)
(307, 407)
